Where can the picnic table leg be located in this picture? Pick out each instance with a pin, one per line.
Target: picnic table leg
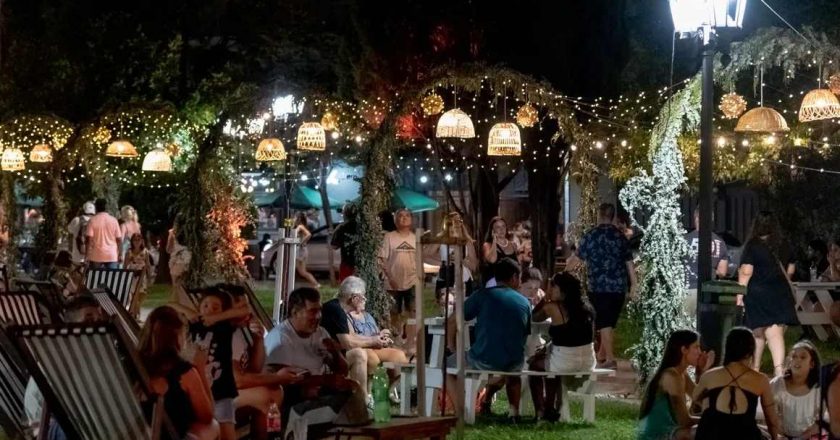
(526, 392)
(405, 392)
(430, 401)
(565, 415)
(471, 389)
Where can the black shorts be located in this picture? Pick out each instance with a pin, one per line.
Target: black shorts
(403, 300)
(608, 307)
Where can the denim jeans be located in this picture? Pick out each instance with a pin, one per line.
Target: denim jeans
(109, 265)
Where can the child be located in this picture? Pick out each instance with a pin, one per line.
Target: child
(137, 258)
(213, 330)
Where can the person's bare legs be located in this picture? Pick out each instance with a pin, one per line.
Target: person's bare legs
(537, 386)
(357, 360)
(300, 266)
(227, 431)
(209, 431)
(775, 335)
(513, 386)
(759, 335)
(607, 344)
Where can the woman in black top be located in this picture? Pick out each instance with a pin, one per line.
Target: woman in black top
(572, 334)
(769, 307)
(186, 392)
(497, 246)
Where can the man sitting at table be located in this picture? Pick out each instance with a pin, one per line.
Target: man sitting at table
(503, 323)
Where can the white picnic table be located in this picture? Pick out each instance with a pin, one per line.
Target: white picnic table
(813, 310)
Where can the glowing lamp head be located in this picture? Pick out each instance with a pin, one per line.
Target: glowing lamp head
(691, 15)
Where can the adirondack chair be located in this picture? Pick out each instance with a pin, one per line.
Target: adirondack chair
(112, 307)
(257, 309)
(25, 308)
(13, 378)
(90, 376)
(123, 283)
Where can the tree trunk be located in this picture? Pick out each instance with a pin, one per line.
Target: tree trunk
(325, 204)
(544, 202)
(485, 190)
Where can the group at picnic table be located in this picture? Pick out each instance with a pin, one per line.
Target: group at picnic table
(218, 366)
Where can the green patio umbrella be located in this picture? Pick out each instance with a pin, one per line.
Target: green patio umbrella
(304, 197)
(413, 201)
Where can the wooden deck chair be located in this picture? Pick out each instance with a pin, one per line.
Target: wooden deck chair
(123, 283)
(195, 296)
(112, 307)
(90, 377)
(26, 308)
(49, 290)
(5, 282)
(257, 309)
(13, 378)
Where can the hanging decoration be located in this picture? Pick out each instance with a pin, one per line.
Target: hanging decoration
(527, 115)
(762, 119)
(329, 121)
(121, 148)
(455, 124)
(732, 105)
(12, 160)
(270, 150)
(157, 160)
(834, 83)
(102, 135)
(819, 104)
(432, 104)
(504, 140)
(311, 137)
(41, 153)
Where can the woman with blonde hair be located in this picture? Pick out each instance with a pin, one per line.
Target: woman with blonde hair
(129, 225)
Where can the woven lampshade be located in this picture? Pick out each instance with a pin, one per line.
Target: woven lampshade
(121, 148)
(819, 104)
(12, 160)
(762, 120)
(270, 149)
(41, 153)
(527, 115)
(504, 140)
(311, 137)
(329, 121)
(432, 104)
(157, 160)
(455, 124)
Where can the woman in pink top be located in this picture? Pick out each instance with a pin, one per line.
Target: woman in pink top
(129, 226)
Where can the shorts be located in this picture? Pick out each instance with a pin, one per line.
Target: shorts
(608, 307)
(403, 300)
(474, 364)
(224, 411)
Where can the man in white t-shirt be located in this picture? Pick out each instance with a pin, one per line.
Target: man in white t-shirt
(77, 228)
(398, 261)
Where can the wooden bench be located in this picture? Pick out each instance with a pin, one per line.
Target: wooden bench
(399, 428)
(476, 379)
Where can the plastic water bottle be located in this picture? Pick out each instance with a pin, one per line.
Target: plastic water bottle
(274, 423)
(381, 403)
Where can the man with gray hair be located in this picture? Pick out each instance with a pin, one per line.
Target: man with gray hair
(346, 320)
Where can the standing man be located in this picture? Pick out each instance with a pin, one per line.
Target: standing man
(398, 260)
(720, 263)
(344, 238)
(104, 239)
(77, 229)
(610, 268)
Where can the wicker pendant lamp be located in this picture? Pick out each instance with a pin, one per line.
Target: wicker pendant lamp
(311, 137)
(12, 160)
(455, 123)
(504, 140)
(157, 160)
(121, 148)
(269, 150)
(762, 119)
(41, 153)
(819, 104)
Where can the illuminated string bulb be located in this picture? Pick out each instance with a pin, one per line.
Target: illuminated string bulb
(798, 142)
(721, 141)
(41, 153)
(311, 137)
(269, 150)
(12, 160)
(770, 140)
(157, 161)
(504, 140)
(121, 148)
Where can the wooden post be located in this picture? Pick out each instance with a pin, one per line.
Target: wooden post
(459, 341)
(420, 353)
(284, 270)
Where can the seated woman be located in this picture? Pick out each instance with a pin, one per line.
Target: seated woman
(187, 397)
(729, 394)
(571, 349)
(798, 392)
(664, 414)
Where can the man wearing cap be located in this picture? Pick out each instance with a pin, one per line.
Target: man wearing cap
(346, 320)
(77, 228)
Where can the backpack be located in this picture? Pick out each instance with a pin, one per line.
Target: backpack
(80, 237)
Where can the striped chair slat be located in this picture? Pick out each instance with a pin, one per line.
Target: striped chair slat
(123, 283)
(88, 379)
(12, 390)
(115, 310)
(21, 308)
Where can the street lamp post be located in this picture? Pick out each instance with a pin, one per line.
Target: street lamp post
(701, 18)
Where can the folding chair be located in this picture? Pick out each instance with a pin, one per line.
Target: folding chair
(13, 378)
(87, 374)
(123, 283)
(25, 308)
(112, 307)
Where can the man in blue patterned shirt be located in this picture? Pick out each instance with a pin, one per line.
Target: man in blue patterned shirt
(609, 264)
